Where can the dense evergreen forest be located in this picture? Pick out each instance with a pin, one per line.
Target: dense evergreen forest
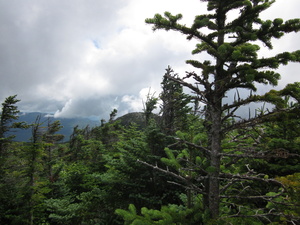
(199, 161)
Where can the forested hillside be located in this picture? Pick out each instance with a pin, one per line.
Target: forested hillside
(197, 162)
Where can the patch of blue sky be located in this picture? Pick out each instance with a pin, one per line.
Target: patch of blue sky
(96, 43)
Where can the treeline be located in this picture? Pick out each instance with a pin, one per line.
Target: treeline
(84, 181)
(154, 169)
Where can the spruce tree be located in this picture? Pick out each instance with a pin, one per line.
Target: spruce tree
(235, 65)
(174, 108)
(149, 106)
(8, 116)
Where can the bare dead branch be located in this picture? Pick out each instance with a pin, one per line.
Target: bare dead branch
(185, 180)
(194, 88)
(249, 177)
(230, 183)
(253, 121)
(277, 153)
(290, 218)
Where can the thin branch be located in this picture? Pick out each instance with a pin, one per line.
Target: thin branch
(277, 153)
(264, 197)
(190, 86)
(180, 141)
(230, 114)
(252, 121)
(179, 177)
(249, 177)
(233, 181)
(291, 218)
(205, 150)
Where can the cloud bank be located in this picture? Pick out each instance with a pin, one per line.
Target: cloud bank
(83, 58)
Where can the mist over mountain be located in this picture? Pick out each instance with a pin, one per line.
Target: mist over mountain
(138, 118)
(67, 123)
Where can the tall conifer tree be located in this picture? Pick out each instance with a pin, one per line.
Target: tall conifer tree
(235, 65)
(9, 114)
(174, 107)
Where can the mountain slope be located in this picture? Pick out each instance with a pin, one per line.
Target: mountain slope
(68, 125)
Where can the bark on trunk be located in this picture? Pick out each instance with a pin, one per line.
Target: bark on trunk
(214, 111)
(213, 176)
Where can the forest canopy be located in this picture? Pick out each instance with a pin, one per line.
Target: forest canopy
(196, 162)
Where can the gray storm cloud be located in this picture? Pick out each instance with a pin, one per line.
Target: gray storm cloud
(86, 57)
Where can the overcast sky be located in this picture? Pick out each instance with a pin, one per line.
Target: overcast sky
(86, 57)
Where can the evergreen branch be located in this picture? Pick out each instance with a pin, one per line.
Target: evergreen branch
(290, 218)
(190, 144)
(248, 12)
(276, 29)
(198, 169)
(170, 23)
(279, 59)
(205, 150)
(243, 25)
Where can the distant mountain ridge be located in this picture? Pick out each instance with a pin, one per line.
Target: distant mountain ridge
(67, 123)
(137, 118)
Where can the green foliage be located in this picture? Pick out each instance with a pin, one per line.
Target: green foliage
(8, 115)
(113, 115)
(149, 106)
(174, 107)
(78, 190)
(63, 211)
(292, 183)
(171, 160)
(170, 214)
(227, 159)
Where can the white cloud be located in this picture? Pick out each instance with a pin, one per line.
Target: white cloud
(136, 103)
(85, 57)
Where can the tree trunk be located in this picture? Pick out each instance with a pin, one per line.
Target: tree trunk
(214, 112)
(213, 118)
